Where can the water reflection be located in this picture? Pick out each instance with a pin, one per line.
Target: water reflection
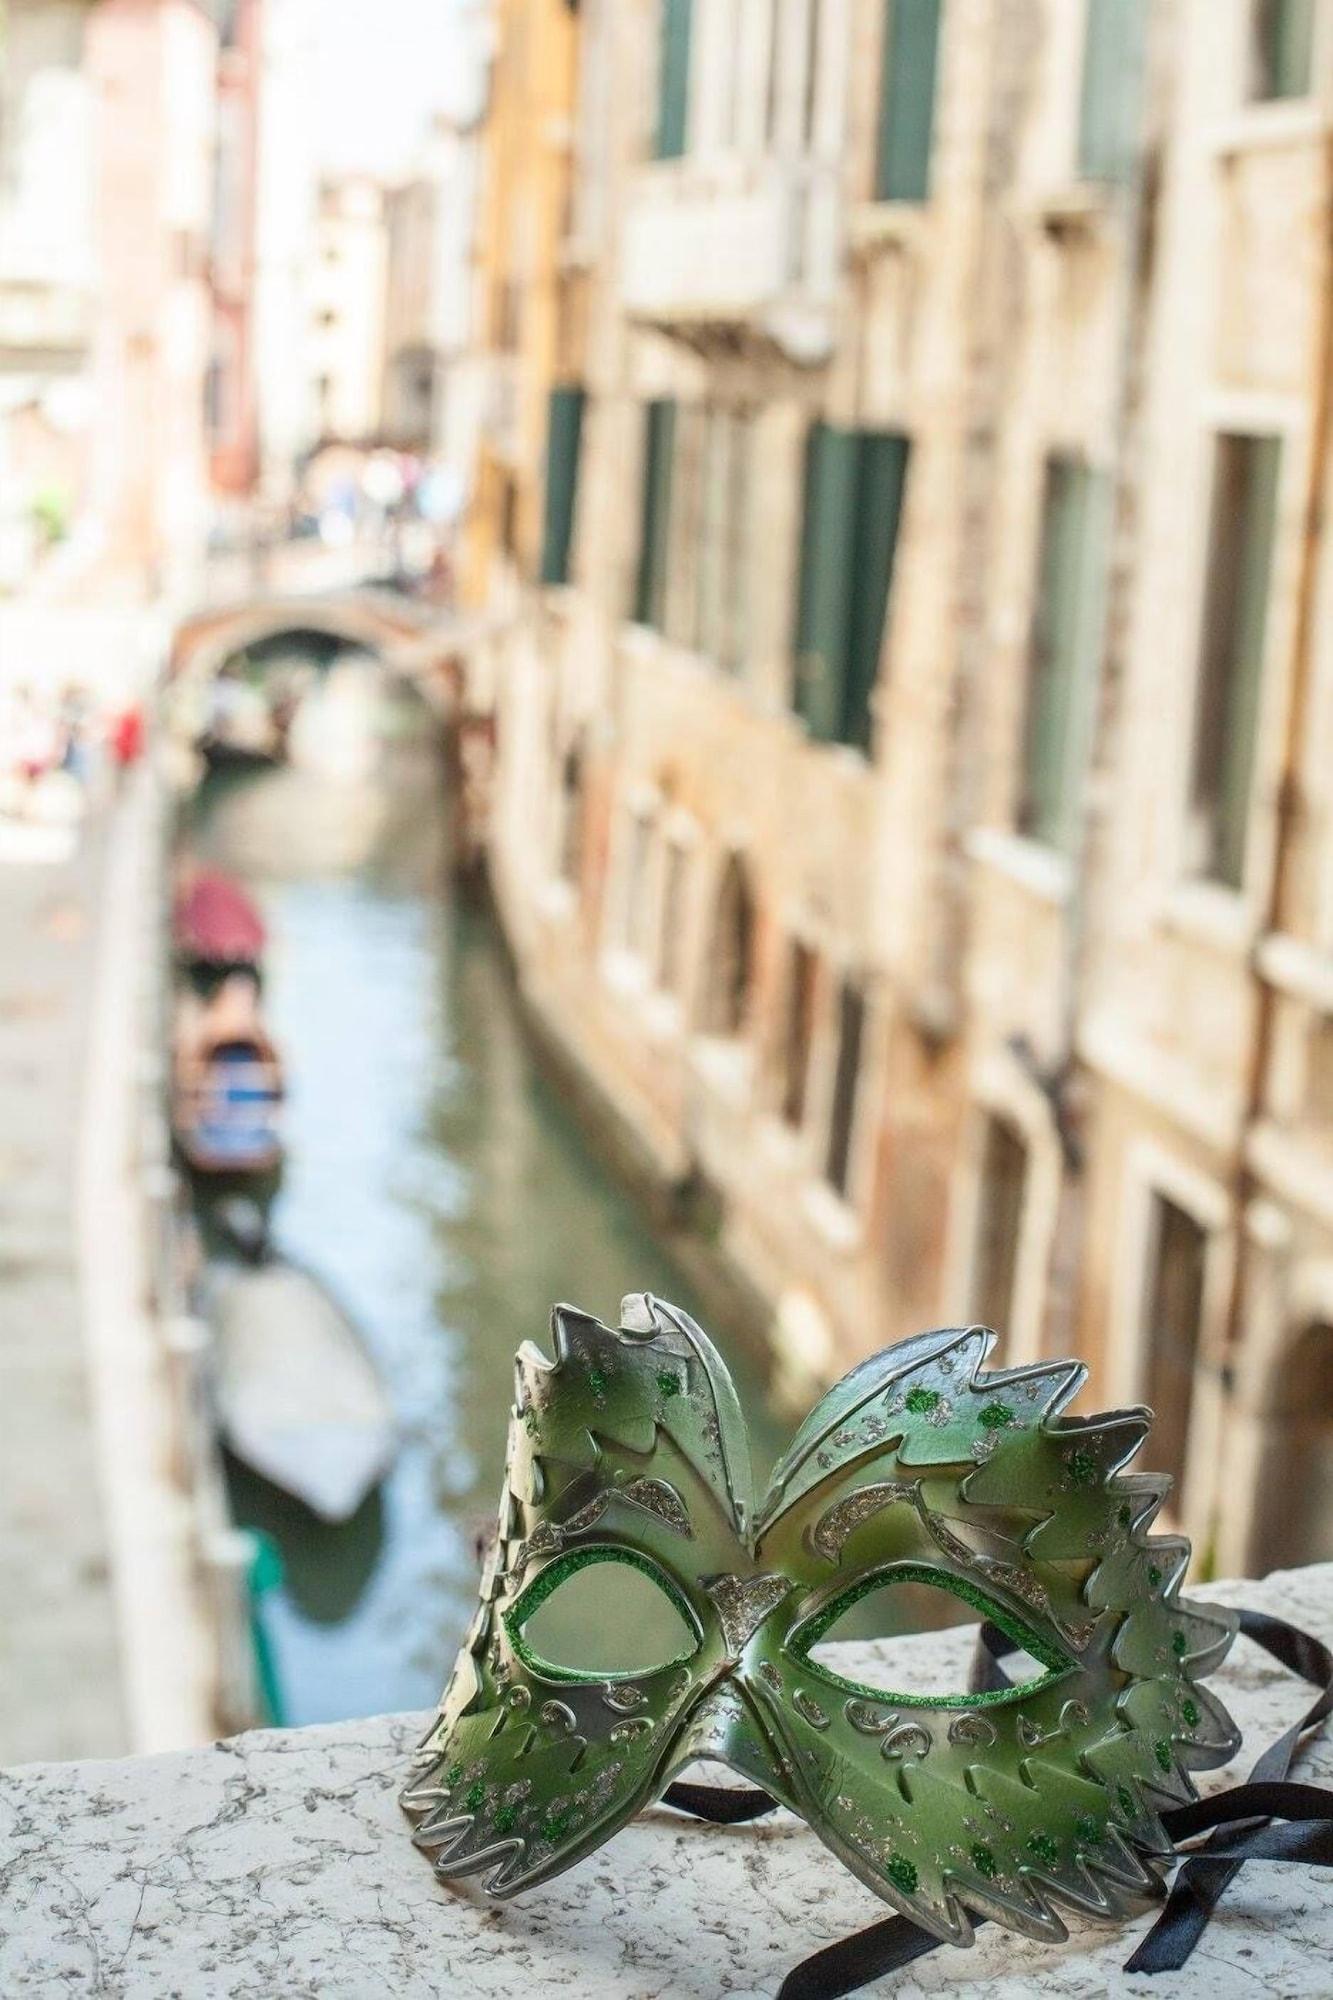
(434, 1180)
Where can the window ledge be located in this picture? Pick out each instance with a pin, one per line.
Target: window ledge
(886, 225)
(1075, 207)
(723, 1062)
(1042, 871)
(835, 1220)
(1298, 970)
(1277, 122)
(1209, 914)
(663, 1016)
(624, 971)
(556, 898)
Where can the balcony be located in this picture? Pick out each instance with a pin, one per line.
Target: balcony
(42, 325)
(715, 250)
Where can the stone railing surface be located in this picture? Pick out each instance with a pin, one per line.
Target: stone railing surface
(276, 1866)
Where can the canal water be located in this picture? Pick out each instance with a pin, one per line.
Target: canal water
(434, 1179)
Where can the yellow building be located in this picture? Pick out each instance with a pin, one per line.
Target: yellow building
(524, 209)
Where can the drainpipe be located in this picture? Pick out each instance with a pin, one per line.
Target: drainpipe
(1290, 798)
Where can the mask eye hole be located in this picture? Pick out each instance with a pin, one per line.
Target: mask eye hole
(601, 1614)
(903, 1599)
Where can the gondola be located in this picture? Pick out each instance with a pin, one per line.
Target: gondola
(298, 1397)
(227, 1082)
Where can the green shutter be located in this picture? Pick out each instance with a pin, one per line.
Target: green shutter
(854, 485)
(1244, 509)
(673, 90)
(907, 100)
(880, 482)
(1108, 114)
(1284, 47)
(564, 428)
(659, 446)
(1065, 643)
(823, 608)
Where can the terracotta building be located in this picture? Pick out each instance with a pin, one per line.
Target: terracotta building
(909, 815)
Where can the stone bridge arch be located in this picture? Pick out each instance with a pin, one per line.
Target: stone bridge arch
(420, 645)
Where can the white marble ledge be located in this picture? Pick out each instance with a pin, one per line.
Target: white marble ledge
(276, 1866)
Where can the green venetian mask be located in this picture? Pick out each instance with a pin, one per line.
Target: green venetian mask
(629, 1451)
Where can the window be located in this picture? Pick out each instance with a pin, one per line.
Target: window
(797, 1032)
(1245, 483)
(1293, 1521)
(846, 1076)
(673, 90)
(907, 100)
(1003, 1183)
(670, 938)
(1282, 47)
(696, 549)
(634, 886)
(563, 434)
(1109, 104)
(571, 815)
(854, 487)
(729, 972)
(1177, 1247)
(723, 549)
(659, 444)
(1063, 649)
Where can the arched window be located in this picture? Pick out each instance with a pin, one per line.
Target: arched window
(572, 815)
(1293, 1517)
(729, 970)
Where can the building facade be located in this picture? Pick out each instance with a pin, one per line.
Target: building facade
(908, 815)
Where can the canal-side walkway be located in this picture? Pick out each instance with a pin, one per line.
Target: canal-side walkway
(60, 1692)
(103, 1645)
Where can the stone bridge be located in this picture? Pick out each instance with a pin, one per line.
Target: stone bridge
(417, 641)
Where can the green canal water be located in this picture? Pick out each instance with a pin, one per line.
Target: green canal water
(434, 1179)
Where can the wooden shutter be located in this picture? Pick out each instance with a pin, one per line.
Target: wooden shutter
(564, 429)
(659, 445)
(1283, 47)
(1064, 646)
(823, 607)
(673, 90)
(1244, 506)
(881, 478)
(1108, 113)
(907, 100)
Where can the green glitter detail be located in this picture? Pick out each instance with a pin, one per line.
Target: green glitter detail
(983, 1861)
(504, 1819)
(1191, 1712)
(922, 1401)
(1124, 1798)
(1087, 1828)
(555, 1826)
(668, 1384)
(996, 1416)
(1044, 1848)
(475, 1794)
(453, 1774)
(1154, 1575)
(550, 1579)
(530, 1421)
(1082, 1468)
(1179, 1645)
(902, 1873)
(597, 1381)
(807, 1636)
(1161, 1750)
